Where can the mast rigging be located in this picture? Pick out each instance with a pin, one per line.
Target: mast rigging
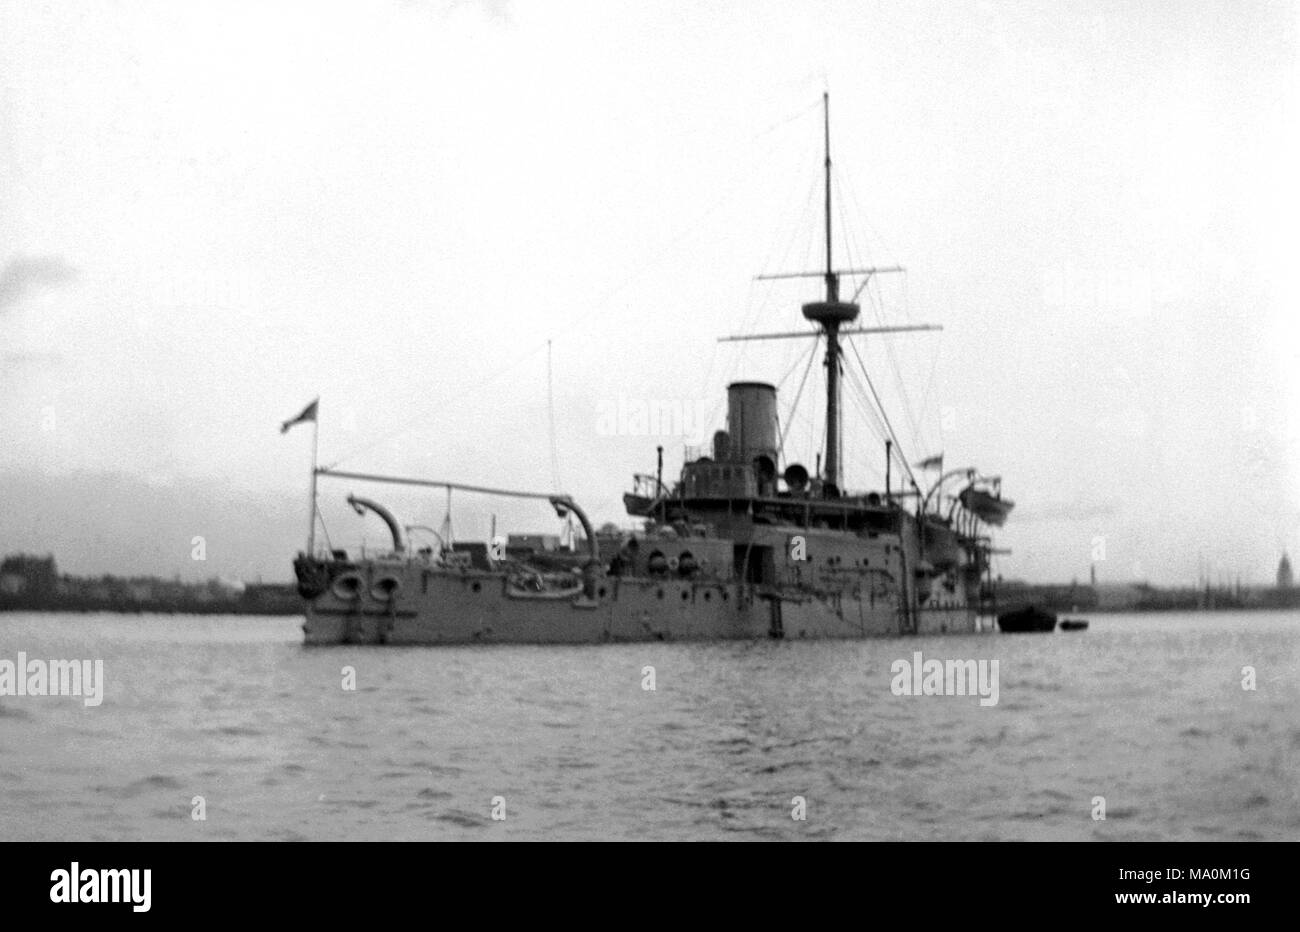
(830, 315)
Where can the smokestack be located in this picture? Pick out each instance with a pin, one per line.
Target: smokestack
(751, 421)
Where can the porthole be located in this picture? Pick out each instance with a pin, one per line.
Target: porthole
(601, 592)
(707, 596)
(348, 587)
(477, 586)
(660, 593)
(685, 595)
(385, 588)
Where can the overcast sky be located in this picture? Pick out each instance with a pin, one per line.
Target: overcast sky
(211, 214)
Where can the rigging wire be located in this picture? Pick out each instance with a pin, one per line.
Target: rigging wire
(758, 309)
(851, 246)
(870, 418)
(925, 398)
(797, 231)
(816, 445)
(550, 413)
(472, 390)
(885, 415)
(794, 405)
(599, 305)
(321, 518)
(815, 105)
(914, 415)
(791, 371)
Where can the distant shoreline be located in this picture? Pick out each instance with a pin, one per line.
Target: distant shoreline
(33, 583)
(1141, 597)
(146, 609)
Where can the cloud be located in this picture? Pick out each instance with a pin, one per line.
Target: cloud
(23, 274)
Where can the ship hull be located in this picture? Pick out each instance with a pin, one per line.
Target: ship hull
(435, 606)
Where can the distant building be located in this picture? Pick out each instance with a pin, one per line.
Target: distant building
(1284, 578)
(38, 576)
(140, 590)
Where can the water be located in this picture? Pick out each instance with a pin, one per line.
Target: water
(1146, 711)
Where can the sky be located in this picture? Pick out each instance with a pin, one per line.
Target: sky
(487, 234)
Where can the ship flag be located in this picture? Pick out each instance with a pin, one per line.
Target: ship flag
(308, 414)
(931, 462)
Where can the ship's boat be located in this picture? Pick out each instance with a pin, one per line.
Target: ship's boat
(552, 586)
(988, 507)
(1073, 624)
(648, 493)
(741, 543)
(639, 506)
(1029, 618)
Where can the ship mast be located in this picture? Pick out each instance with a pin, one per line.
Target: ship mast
(832, 280)
(830, 315)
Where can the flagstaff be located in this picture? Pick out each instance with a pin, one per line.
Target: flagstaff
(311, 506)
(307, 414)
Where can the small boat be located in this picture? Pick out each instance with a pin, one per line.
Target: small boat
(545, 586)
(989, 507)
(1073, 624)
(1030, 618)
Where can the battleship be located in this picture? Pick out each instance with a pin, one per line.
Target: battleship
(736, 547)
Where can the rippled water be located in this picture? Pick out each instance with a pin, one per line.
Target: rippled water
(1146, 711)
